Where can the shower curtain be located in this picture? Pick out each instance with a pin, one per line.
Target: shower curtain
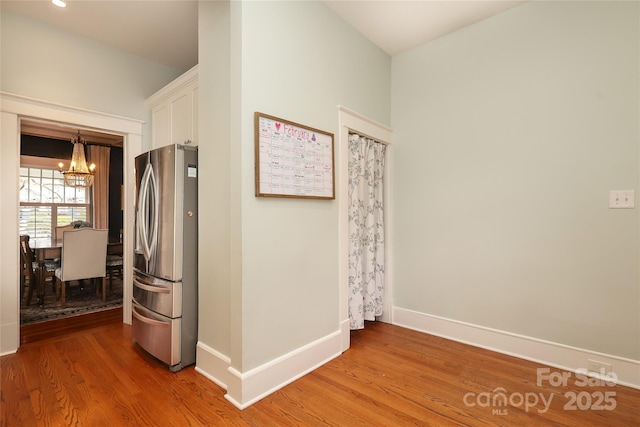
(366, 229)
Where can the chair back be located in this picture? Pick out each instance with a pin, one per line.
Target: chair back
(26, 259)
(84, 254)
(59, 231)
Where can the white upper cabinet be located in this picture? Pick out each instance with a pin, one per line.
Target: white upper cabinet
(174, 111)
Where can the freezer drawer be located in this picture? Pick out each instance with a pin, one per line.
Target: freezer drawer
(158, 295)
(158, 335)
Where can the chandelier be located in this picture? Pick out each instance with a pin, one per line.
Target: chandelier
(78, 175)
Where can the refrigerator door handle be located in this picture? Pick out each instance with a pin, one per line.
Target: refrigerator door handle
(154, 207)
(146, 320)
(142, 213)
(148, 213)
(154, 289)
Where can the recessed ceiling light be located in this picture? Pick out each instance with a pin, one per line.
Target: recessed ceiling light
(59, 3)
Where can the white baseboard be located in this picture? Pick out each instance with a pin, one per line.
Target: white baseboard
(246, 388)
(528, 348)
(346, 335)
(9, 338)
(213, 365)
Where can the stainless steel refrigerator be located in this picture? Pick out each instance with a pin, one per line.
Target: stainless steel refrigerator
(165, 276)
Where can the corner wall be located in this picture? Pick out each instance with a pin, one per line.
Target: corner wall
(510, 134)
(300, 61)
(79, 71)
(110, 81)
(297, 61)
(215, 198)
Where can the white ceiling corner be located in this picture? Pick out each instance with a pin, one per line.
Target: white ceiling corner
(162, 31)
(400, 25)
(166, 31)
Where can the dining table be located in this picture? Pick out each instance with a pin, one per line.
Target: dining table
(48, 250)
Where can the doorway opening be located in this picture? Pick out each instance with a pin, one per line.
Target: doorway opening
(14, 109)
(367, 229)
(352, 122)
(48, 206)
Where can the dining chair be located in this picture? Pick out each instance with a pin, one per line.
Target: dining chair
(27, 273)
(29, 266)
(84, 256)
(114, 262)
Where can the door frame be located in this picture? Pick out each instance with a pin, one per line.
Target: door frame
(13, 109)
(350, 121)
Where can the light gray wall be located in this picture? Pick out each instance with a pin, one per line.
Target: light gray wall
(43, 62)
(299, 62)
(508, 136)
(215, 193)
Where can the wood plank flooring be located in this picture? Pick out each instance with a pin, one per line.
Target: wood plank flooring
(54, 328)
(389, 377)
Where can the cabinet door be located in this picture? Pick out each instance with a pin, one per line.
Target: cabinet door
(180, 106)
(194, 115)
(174, 112)
(160, 129)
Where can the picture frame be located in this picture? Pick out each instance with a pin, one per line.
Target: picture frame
(292, 160)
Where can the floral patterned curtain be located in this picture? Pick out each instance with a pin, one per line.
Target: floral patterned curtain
(366, 229)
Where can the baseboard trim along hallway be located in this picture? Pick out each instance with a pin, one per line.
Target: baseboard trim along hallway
(549, 353)
(246, 388)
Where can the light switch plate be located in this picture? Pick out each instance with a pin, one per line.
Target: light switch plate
(621, 199)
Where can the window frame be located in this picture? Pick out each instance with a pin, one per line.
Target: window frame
(54, 207)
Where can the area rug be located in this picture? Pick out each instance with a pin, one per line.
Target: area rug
(79, 301)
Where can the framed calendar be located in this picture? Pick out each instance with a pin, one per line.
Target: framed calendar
(292, 160)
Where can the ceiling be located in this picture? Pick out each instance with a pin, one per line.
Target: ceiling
(163, 31)
(166, 31)
(397, 26)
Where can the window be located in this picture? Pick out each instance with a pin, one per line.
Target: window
(46, 202)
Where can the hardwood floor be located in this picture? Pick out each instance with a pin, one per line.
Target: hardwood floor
(389, 377)
(65, 325)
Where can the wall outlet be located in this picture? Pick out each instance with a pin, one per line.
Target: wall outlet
(599, 367)
(621, 199)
